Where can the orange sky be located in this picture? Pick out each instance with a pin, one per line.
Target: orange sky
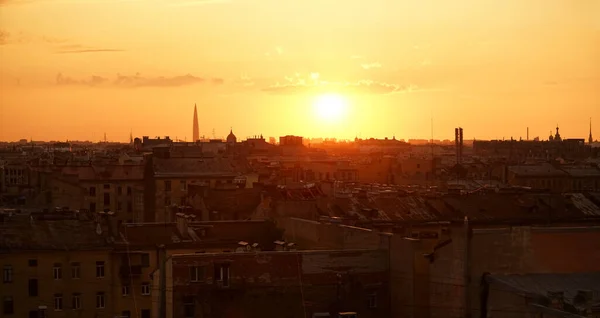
(74, 69)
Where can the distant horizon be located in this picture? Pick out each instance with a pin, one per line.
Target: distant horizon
(308, 68)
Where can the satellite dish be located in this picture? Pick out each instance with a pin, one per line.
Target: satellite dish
(98, 229)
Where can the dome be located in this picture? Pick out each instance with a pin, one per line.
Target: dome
(231, 138)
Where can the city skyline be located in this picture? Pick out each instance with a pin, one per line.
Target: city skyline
(501, 70)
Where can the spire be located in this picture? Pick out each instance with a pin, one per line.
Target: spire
(590, 139)
(196, 132)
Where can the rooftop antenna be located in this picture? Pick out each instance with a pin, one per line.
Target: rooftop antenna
(213, 134)
(105, 137)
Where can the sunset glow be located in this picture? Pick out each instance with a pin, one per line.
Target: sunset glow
(116, 67)
(330, 107)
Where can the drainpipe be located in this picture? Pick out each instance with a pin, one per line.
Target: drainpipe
(467, 268)
(163, 283)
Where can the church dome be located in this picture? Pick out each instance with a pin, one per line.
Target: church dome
(231, 138)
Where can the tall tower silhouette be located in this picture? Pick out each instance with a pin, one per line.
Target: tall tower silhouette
(196, 133)
(590, 139)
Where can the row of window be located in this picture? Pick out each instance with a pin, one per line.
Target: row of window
(126, 289)
(8, 304)
(57, 270)
(92, 190)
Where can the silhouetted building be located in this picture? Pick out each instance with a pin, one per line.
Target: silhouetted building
(231, 138)
(196, 129)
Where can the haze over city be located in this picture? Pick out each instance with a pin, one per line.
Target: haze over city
(79, 69)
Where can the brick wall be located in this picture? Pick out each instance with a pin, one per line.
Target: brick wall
(270, 284)
(522, 249)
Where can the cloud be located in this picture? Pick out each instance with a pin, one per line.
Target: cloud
(78, 48)
(89, 51)
(138, 80)
(245, 81)
(369, 66)
(314, 85)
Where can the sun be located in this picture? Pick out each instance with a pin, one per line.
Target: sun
(330, 107)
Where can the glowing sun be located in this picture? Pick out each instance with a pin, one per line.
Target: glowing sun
(330, 107)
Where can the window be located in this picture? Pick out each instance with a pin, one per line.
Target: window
(92, 191)
(146, 260)
(183, 185)
(57, 271)
(222, 275)
(129, 191)
(196, 273)
(167, 185)
(41, 313)
(145, 313)
(119, 205)
(373, 300)
(167, 200)
(92, 207)
(58, 302)
(126, 314)
(75, 270)
(119, 190)
(8, 306)
(125, 290)
(7, 274)
(107, 199)
(129, 207)
(33, 287)
(32, 262)
(100, 269)
(146, 289)
(107, 187)
(100, 300)
(76, 301)
(189, 307)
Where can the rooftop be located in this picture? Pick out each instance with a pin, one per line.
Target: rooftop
(20, 233)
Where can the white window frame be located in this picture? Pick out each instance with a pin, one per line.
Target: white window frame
(57, 272)
(195, 272)
(58, 302)
(100, 267)
(75, 271)
(7, 274)
(125, 290)
(146, 289)
(221, 276)
(100, 301)
(76, 303)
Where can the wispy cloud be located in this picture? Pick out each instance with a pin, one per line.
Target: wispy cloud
(295, 85)
(369, 66)
(89, 51)
(7, 37)
(78, 48)
(137, 80)
(60, 45)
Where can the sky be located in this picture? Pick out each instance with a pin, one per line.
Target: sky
(77, 69)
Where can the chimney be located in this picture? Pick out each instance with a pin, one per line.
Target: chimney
(557, 299)
(583, 300)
